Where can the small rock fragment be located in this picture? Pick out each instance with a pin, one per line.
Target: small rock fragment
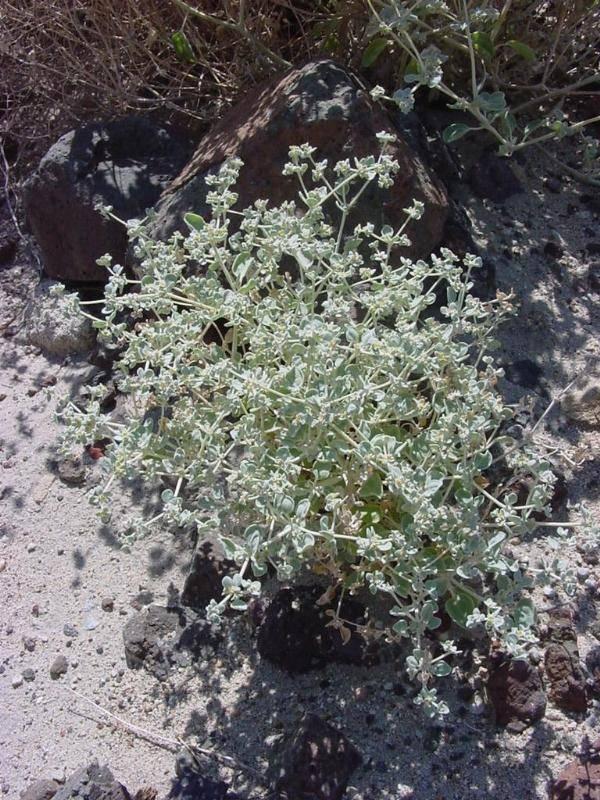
(566, 679)
(44, 789)
(552, 184)
(70, 630)
(59, 667)
(563, 668)
(146, 793)
(71, 471)
(592, 663)
(92, 783)
(190, 784)
(51, 323)
(553, 249)
(108, 604)
(144, 635)
(516, 692)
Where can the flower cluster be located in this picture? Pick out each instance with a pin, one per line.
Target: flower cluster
(322, 402)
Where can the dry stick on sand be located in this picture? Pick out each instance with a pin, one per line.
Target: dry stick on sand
(171, 744)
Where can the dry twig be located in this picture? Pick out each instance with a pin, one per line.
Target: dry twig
(168, 743)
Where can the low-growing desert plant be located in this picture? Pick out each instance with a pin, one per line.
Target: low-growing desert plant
(310, 399)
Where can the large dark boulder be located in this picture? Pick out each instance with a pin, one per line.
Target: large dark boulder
(319, 103)
(125, 164)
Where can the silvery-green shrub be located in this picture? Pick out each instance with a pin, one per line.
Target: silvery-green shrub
(309, 399)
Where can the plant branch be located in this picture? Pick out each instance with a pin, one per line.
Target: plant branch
(235, 27)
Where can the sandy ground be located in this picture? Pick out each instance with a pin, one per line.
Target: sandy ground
(58, 563)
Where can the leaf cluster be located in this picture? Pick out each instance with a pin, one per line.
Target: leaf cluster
(510, 67)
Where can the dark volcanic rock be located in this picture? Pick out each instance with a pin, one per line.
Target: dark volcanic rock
(516, 692)
(557, 501)
(582, 405)
(553, 249)
(567, 685)
(592, 663)
(319, 103)
(566, 678)
(317, 762)
(145, 636)
(157, 638)
(580, 780)
(71, 470)
(196, 787)
(44, 789)
(293, 632)
(59, 667)
(204, 580)
(125, 164)
(146, 793)
(92, 783)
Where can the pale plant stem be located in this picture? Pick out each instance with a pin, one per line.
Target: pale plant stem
(167, 742)
(471, 52)
(539, 525)
(567, 90)
(571, 130)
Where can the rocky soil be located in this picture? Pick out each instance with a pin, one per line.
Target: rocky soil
(68, 692)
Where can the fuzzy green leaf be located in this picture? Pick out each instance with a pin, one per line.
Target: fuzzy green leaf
(523, 50)
(372, 52)
(524, 614)
(460, 605)
(372, 487)
(483, 44)
(183, 47)
(455, 131)
(194, 221)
